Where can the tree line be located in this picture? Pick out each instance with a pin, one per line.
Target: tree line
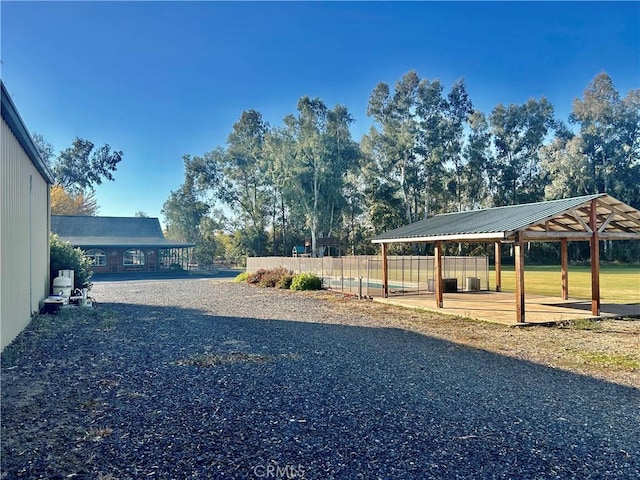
(429, 151)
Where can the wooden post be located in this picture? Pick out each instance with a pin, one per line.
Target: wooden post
(564, 262)
(519, 261)
(595, 260)
(438, 273)
(498, 250)
(385, 272)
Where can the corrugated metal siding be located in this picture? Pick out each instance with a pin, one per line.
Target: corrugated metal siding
(24, 247)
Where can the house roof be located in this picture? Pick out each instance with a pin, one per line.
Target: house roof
(16, 125)
(93, 232)
(541, 221)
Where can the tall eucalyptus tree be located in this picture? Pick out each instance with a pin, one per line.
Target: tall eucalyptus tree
(323, 153)
(519, 131)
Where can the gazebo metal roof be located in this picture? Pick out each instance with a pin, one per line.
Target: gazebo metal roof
(542, 221)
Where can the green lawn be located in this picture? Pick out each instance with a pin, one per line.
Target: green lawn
(619, 284)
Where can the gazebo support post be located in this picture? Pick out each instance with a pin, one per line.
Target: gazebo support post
(385, 272)
(595, 260)
(498, 255)
(519, 261)
(564, 262)
(438, 273)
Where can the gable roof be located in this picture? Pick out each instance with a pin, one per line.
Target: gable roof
(85, 231)
(541, 221)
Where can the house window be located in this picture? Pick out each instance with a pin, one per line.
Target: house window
(98, 257)
(133, 257)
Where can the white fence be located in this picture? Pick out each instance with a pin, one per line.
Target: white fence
(362, 275)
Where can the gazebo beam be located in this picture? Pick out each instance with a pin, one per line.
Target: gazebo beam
(595, 260)
(519, 261)
(438, 274)
(498, 255)
(385, 271)
(564, 262)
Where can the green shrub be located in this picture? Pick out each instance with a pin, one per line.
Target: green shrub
(241, 277)
(285, 281)
(64, 257)
(306, 281)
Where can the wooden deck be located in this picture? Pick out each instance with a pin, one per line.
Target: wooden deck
(500, 307)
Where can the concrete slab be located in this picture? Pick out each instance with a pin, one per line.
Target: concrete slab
(499, 307)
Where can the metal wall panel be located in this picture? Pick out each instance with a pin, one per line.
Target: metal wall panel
(24, 238)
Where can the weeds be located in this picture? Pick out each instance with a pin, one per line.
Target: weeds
(606, 360)
(213, 359)
(585, 324)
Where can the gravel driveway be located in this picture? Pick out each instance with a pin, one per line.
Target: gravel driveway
(197, 378)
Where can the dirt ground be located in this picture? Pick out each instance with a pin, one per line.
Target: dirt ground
(607, 349)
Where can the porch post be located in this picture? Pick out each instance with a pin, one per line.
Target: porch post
(595, 260)
(498, 255)
(438, 279)
(564, 262)
(385, 272)
(519, 261)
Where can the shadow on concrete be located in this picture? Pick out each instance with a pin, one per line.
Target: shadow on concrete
(615, 309)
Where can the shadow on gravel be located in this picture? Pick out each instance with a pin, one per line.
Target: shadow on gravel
(126, 391)
(178, 275)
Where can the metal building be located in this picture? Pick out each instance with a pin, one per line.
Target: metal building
(24, 224)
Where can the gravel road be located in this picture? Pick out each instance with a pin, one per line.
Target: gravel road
(198, 378)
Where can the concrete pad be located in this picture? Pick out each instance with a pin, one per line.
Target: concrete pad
(500, 307)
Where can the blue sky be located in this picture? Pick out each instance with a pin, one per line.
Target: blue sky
(161, 79)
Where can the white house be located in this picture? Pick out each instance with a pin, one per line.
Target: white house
(24, 224)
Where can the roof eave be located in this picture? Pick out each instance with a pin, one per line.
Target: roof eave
(467, 237)
(16, 125)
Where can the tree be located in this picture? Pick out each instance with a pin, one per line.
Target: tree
(519, 132)
(76, 171)
(183, 212)
(323, 153)
(46, 150)
(140, 214)
(476, 179)
(245, 171)
(610, 138)
(66, 203)
(392, 148)
(567, 168)
(457, 109)
(82, 166)
(383, 205)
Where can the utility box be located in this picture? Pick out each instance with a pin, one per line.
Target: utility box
(473, 284)
(449, 285)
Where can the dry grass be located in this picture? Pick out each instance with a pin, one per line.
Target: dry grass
(608, 349)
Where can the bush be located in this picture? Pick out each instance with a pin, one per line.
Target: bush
(278, 277)
(241, 277)
(64, 257)
(271, 278)
(255, 277)
(285, 281)
(306, 281)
